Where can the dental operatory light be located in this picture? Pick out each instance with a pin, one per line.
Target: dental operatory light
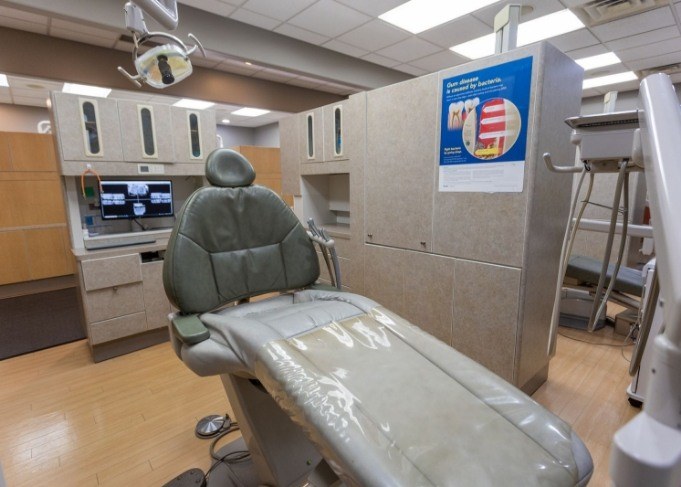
(420, 15)
(534, 30)
(162, 65)
(193, 104)
(609, 80)
(599, 61)
(3, 80)
(86, 90)
(250, 112)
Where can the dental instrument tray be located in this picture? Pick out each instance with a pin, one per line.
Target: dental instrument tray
(604, 137)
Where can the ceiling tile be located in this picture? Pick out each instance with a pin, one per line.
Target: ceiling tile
(635, 24)
(256, 19)
(412, 48)
(278, 9)
(28, 92)
(646, 38)
(591, 92)
(438, 61)
(130, 95)
(23, 25)
(382, 60)
(22, 15)
(242, 69)
(301, 34)
(656, 49)
(274, 75)
(84, 38)
(594, 50)
(344, 48)
(456, 32)
(216, 7)
(33, 83)
(578, 39)
(374, 7)
(236, 3)
(83, 29)
(30, 101)
(654, 61)
(374, 35)
(329, 18)
(409, 69)
(304, 82)
(539, 9)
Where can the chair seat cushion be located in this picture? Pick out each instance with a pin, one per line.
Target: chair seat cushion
(388, 404)
(588, 270)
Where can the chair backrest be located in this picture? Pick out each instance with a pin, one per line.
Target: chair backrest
(234, 240)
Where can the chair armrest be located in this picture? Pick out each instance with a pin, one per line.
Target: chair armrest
(189, 329)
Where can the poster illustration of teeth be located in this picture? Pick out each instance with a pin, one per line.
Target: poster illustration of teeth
(483, 130)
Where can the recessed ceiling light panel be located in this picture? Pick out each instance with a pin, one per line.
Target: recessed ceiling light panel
(193, 104)
(3, 80)
(86, 90)
(417, 16)
(609, 80)
(593, 62)
(250, 112)
(534, 30)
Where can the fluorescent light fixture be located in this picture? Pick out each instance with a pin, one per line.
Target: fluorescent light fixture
(593, 62)
(250, 112)
(3, 80)
(86, 90)
(609, 80)
(194, 104)
(419, 15)
(531, 31)
(225, 121)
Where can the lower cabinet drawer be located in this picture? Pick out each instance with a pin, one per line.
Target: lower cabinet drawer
(110, 302)
(105, 331)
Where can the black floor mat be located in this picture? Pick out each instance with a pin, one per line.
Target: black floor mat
(37, 321)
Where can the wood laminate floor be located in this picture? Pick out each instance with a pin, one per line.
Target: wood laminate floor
(129, 421)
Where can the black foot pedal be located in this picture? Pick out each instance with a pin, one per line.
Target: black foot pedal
(190, 478)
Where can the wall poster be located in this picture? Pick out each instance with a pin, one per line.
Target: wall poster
(483, 131)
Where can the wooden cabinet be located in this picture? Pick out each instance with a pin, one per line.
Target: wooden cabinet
(123, 299)
(88, 128)
(267, 164)
(33, 237)
(146, 129)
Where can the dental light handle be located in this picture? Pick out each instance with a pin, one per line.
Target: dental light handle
(133, 79)
(559, 169)
(197, 44)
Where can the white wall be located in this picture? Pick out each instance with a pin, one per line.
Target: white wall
(18, 118)
(232, 136)
(267, 135)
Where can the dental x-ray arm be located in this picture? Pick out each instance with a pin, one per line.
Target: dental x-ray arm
(647, 450)
(163, 65)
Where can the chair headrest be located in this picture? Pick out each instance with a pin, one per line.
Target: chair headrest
(226, 168)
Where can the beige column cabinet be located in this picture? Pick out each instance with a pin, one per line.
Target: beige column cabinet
(146, 131)
(476, 270)
(193, 134)
(89, 128)
(122, 297)
(400, 170)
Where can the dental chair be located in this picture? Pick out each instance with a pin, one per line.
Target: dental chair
(330, 385)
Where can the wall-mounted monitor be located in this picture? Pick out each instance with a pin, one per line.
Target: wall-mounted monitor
(136, 199)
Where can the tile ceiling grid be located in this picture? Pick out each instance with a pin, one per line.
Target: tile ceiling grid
(642, 41)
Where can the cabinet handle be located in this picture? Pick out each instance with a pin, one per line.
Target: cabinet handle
(423, 243)
(370, 235)
(115, 288)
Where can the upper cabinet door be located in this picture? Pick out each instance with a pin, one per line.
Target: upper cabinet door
(193, 134)
(88, 128)
(312, 136)
(401, 163)
(146, 129)
(335, 134)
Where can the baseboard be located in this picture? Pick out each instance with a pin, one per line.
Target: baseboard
(105, 351)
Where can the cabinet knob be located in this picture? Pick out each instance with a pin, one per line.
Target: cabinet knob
(115, 288)
(370, 235)
(423, 244)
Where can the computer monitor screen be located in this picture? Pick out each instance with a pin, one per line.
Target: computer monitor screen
(136, 199)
